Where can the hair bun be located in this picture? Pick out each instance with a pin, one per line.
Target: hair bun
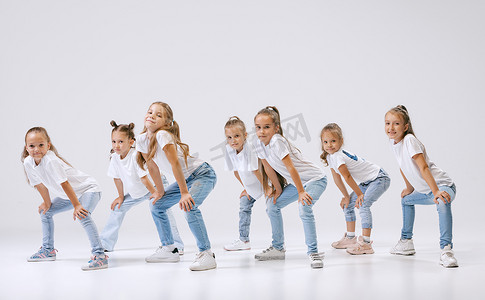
(131, 126)
(113, 123)
(234, 118)
(402, 107)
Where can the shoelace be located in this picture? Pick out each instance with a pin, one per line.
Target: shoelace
(268, 250)
(317, 256)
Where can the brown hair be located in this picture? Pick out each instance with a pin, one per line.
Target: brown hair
(44, 132)
(171, 127)
(126, 129)
(402, 111)
(235, 121)
(336, 130)
(272, 112)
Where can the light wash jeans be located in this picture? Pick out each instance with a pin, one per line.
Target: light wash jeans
(245, 209)
(372, 190)
(444, 214)
(89, 202)
(109, 235)
(200, 183)
(289, 195)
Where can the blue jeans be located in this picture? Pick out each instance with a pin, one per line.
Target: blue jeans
(109, 235)
(289, 195)
(200, 183)
(89, 202)
(372, 190)
(245, 209)
(444, 214)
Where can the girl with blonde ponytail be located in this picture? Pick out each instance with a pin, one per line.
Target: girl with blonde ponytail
(161, 151)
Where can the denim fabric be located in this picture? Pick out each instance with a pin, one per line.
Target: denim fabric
(88, 201)
(372, 190)
(200, 183)
(289, 195)
(109, 235)
(245, 209)
(444, 214)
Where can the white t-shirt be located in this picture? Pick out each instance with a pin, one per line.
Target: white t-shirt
(129, 172)
(164, 138)
(360, 169)
(52, 171)
(277, 149)
(404, 152)
(245, 163)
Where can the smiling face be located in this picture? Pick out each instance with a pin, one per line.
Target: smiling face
(155, 118)
(331, 142)
(235, 137)
(395, 127)
(265, 128)
(121, 143)
(37, 145)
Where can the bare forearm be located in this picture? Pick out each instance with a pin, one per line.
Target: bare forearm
(146, 182)
(155, 174)
(179, 177)
(66, 186)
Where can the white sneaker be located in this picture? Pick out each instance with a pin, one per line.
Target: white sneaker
(271, 254)
(164, 254)
(237, 245)
(181, 251)
(316, 260)
(403, 247)
(204, 260)
(447, 258)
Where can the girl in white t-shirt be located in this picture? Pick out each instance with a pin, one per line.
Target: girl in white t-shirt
(132, 184)
(426, 184)
(161, 150)
(367, 180)
(283, 163)
(241, 158)
(62, 188)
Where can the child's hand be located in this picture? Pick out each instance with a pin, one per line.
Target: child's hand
(244, 193)
(275, 195)
(443, 195)
(155, 196)
(118, 201)
(406, 192)
(186, 202)
(44, 208)
(359, 201)
(79, 212)
(304, 198)
(344, 203)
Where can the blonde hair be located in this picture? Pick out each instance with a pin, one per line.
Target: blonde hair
(126, 129)
(274, 114)
(48, 139)
(334, 129)
(402, 111)
(171, 127)
(235, 121)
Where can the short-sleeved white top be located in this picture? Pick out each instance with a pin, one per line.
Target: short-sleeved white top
(245, 163)
(164, 138)
(277, 149)
(52, 171)
(404, 152)
(129, 172)
(360, 169)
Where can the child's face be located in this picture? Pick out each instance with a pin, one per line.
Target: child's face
(394, 126)
(331, 142)
(155, 118)
(235, 137)
(265, 128)
(121, 143)
(37, 145)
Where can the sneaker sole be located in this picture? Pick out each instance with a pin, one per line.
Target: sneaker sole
(363, 252)
(263, 258)
(204, 269)
(41, 259)
(94, 268)
(239, 249)
(405, 253)
(342, 247)
(450, 266)
(166, 260)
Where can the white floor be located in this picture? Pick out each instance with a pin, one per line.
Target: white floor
(239, 276)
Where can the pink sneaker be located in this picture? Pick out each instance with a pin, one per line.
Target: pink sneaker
(361, 248)
(345, 242)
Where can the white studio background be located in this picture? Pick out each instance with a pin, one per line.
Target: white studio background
(72, 66)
